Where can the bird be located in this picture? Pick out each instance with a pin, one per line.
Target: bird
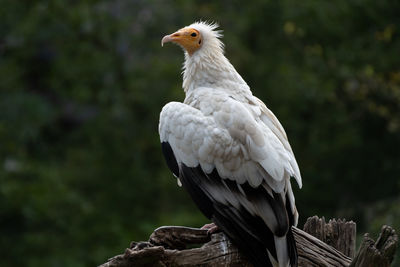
(230, 152)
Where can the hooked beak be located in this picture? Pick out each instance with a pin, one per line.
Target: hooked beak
(169, 38)
(187, 38)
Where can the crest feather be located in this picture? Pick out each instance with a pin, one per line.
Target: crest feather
(210, 33)
(208, 26)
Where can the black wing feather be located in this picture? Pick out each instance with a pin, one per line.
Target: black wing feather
(170, 158)
(248, 232)
(292, 249)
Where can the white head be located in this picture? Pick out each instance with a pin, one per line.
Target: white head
(205, 64)
(197, 37)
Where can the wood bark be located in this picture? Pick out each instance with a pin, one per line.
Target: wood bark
(379, 253)
(339, 234)
(184, 246)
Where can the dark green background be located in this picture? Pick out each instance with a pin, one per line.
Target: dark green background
(82, 84)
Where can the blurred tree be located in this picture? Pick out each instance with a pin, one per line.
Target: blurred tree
(82, 84)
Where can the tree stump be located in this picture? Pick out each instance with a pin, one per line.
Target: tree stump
(379, 253)
(176, 246)
(339, 234)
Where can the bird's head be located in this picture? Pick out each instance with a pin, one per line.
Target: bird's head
(194, 37)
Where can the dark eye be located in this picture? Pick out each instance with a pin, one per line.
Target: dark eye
(193, 34)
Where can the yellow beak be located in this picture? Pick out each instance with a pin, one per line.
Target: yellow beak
(169, 38)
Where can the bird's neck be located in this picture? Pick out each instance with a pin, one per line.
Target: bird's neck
(212, 70)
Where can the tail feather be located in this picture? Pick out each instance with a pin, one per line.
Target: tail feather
(281, 245)
(292, 249)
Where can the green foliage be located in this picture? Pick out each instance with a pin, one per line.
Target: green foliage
(82, 84)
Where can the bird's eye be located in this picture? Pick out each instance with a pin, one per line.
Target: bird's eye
(193, 34)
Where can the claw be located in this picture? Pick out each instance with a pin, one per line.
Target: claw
(211, 228)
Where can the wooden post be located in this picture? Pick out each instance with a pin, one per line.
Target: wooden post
(168, 246)
(379, 253)
(336, 233)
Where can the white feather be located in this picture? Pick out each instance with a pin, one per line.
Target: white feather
(281, 250)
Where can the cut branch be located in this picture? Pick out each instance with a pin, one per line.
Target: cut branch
(379, 253)
(174, 246)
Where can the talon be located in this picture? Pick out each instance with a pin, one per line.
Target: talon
(211, 228)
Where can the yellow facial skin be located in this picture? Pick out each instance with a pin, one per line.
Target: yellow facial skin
(188, 38)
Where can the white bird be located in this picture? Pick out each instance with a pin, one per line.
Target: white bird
(230, 152)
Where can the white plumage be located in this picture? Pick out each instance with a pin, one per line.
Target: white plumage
(222, 128)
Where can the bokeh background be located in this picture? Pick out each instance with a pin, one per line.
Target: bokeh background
(82, 84)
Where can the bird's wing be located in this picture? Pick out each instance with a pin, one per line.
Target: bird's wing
(270, 120)
(235, 168)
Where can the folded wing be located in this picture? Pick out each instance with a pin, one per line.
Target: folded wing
(237, 171)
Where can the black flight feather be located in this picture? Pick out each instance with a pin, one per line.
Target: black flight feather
(170, 158)
(248, 232)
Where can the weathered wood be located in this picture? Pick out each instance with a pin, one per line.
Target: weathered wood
(339, 234)
(217, 252)
(175, 246)
(314, 252)
(178, 237)
(161, 250)
(142, 254)
(379, 253)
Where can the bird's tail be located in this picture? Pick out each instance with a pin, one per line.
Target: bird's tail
(286, 251)
(282, 255)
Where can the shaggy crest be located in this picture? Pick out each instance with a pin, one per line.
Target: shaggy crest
(207, 27)
(211, 36)
(208, 66)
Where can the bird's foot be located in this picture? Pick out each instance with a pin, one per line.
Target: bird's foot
(211, 228)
